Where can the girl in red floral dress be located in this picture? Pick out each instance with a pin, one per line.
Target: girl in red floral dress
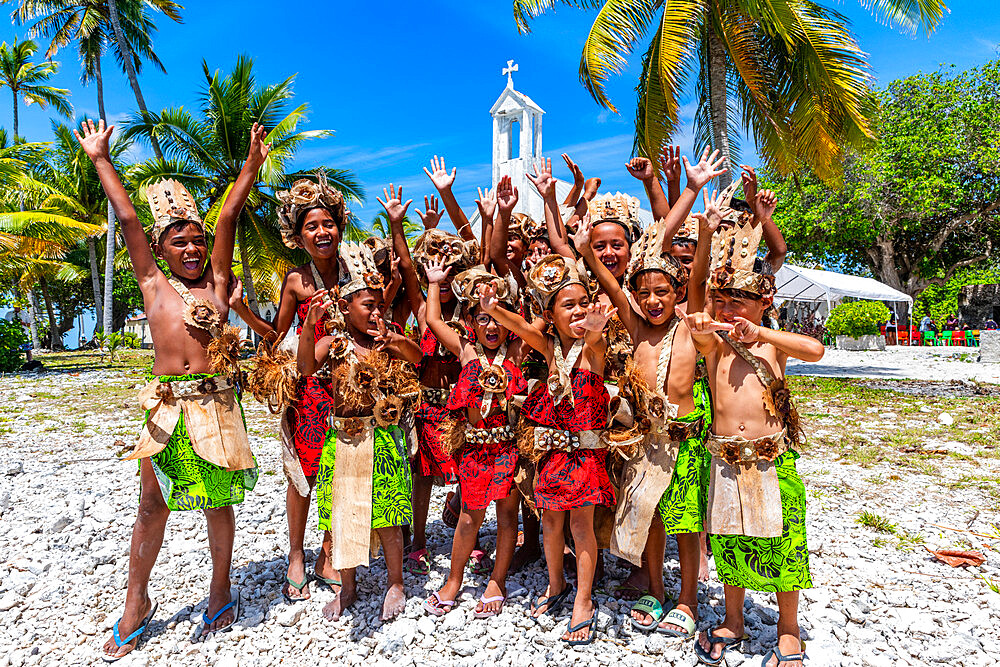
(563, 420)
(480, 432)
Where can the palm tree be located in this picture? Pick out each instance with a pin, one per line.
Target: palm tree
(207, 154)
(788, 72)
(380, 227)
(26, 79)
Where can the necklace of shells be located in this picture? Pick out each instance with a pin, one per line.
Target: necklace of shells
(199, 313)
(492, 377)
(560, 383)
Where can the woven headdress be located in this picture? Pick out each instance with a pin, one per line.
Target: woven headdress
(734, 251)
(466, 285)
(554, 272)
(647, 255)
(170, 202)
(305, 195)
(621, 209)
(435, 245)
(526, 228)
(361, 271)
(688, 231)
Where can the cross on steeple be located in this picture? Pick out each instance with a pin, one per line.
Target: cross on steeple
(508, 70)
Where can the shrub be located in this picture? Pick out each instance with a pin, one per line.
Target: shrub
(858, 318)
(130, 339)
(12, 337)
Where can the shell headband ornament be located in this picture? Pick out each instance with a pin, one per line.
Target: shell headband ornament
(621, 209)
(526, 228)
(647, 255)
(466, 286)
(305, 195)
(170, 202)
(734, 251)
(435, 245)
(551, 274)
(361, 272)
(688, 231)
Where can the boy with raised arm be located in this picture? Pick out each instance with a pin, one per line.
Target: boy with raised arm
(193, 450)
(756, 500)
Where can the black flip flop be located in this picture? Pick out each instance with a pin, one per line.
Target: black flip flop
(589, 623)
(776, 652)
(705, 657)
(289, 585)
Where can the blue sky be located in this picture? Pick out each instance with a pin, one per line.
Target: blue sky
(399, 82)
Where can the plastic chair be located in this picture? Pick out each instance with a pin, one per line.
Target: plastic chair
(958, 338)
(930, 338)
(972, 337)
(903, 337)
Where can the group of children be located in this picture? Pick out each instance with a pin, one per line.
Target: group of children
(612, 384)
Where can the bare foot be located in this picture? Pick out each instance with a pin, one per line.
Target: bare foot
(788, 644)
(687, 609)
(216, 601)
(583, 610)
(635, 586)
(539, 608)
(345, 598)
(493, 589)
(724, 630)
(129, 623)
(526, 553)
(395, 602)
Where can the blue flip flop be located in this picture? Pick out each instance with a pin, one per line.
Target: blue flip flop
(590, 623)
(234, 604)
(135, 636)
(705, 657)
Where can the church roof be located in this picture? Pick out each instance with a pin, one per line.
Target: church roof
(511, 99)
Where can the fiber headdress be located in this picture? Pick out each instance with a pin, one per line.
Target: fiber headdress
(435, 245)
(688, 231)
(170, 202)
(647, 255)
(623, 210)
(361, 270)
(306, 195)
(526, 228)
(466, 286)
(554, 272)
(734, 251)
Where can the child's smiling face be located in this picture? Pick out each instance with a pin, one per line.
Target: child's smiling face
(727, 306)
(488, 332)
(683, 252)
(656, 296)
(568, 310)
(320, 234)
(184, 248)
(516, 251)
(611, 247)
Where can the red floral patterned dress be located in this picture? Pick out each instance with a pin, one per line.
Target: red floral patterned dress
(567, 480)
(485, 471)
(432, 460)
(311, 413)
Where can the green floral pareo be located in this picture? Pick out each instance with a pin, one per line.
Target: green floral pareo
(189, 482)
(682, 507)
(774, 564)
(391, 484)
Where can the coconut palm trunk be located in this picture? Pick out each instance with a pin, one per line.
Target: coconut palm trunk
(247, 275)
(133, 80)
(95, 281)
(109, 272)
(718, 100)
(36, 342)
(55, 340)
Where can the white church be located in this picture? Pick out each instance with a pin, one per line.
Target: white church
(517, 147)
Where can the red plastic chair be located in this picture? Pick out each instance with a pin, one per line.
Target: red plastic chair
(903, 336)
(958, 337)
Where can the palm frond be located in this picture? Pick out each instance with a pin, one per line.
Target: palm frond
(526, 11)
(618, 26)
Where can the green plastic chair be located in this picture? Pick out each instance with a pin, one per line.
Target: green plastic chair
(930, 338)
(970, 338)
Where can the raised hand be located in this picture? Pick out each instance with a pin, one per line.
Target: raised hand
(318, 305)
(701, 322)
(591, 187)
(259, 150)
(436, 271)
(439, 175)
(640, 168)
(598, 315)
(488, 300)
(544, 183)
(745, 331)
(381, 334)
(707, 168)
(96, 142)
(749, 178)
(235, 292)
(432, 216)
(487, 204)
(764, 204)
(713, 210)
(670, 163)
(581, 239)
(506, 195)
(393, 204)
(574, 169)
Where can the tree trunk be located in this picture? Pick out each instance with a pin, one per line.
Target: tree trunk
(36, 343)
(14, 93)
(95, 281)
(99, 78)
(718, 99)
(247, 276)
(55, 342)
(126, 51)
(109, 272)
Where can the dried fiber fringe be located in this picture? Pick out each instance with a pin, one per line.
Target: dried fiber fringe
(526, 443)
(224, 351)
(453, 434)
(360, 382)
(274, 378)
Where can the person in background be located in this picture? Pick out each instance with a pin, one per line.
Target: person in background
(951, 323)
(926, 324)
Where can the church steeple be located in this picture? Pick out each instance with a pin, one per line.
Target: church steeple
(515, 112)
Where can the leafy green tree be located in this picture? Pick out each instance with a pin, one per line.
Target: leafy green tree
(380, 227)
(788, 71)
(940, 301)
(922, 203)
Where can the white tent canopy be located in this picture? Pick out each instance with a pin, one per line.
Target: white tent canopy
(795, 283)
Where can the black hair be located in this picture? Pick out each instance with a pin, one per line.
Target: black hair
(740, 205)
(176, 225)
(683, 241)
(300, 218)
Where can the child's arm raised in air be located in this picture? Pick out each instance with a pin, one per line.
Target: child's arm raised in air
(487, 204)
(506, 201)
(443, 180)
(642, 169)
(626, 312)
(573, 196)
(763, 203)
(787, 343)
(96, 144)
(512, 321)
(546, 186)
(708, 222)
(225, 227)
(256, 323)
(670, 163)
(398, 345)
(311, 354)
(395, 210)
(436, 273)
(698, 176)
